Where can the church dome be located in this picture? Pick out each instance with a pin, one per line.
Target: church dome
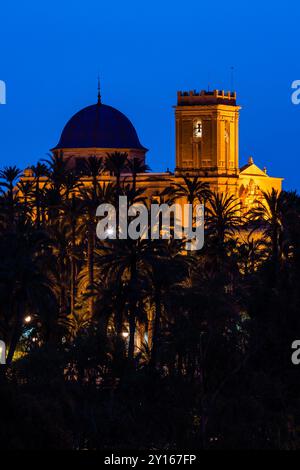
(99, 126)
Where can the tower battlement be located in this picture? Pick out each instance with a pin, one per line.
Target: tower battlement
(202, 98)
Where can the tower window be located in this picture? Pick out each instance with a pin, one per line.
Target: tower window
(198, 128)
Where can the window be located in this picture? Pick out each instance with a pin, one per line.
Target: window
(198, 128)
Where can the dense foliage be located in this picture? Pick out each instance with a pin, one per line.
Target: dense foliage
(213, 368)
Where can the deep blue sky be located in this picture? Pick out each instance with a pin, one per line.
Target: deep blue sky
(145, 51)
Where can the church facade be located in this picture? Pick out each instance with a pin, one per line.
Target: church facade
(207, 146)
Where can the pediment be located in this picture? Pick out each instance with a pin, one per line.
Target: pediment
(252, 170)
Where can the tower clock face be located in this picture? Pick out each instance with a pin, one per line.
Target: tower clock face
(198, 128)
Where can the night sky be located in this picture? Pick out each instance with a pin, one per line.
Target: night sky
(51, 54)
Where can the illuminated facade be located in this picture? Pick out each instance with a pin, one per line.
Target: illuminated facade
(207, 145)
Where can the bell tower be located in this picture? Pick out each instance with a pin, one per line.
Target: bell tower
(207, 133)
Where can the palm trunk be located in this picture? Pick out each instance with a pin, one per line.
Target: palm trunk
(118, 182)
(156, 327)
(11, 206)
(73, 272)
(132, 308)
(37, 203)
(62, 299)
(150, 328)
(90, 260)
(134, 181)
(132, 329)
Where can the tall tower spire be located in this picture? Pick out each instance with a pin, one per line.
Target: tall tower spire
(99, 94)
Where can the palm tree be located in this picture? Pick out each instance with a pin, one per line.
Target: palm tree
(93, 166)
(61, 182)
(192, 189)
(59, 232)
(72, 209)
(25, 188)
(252, 253)
(165, 266)
(10, 174)
(57, 167)
(70, 185)
(51, 203)
(39, 170)
(223, 217)
(135, 165)
(122, 262)
(24, 198)
(92, 197)
(269, 216)
(291, 225)
(223, 223)
(116, 163)
(25, 288)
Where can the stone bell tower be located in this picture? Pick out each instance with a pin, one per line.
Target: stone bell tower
(207, 133)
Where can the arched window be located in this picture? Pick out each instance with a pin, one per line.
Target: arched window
(198, 128)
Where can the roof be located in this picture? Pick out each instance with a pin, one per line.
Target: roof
(252, 170)
(99, 126)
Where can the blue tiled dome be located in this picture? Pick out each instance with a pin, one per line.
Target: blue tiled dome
(99, 126)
